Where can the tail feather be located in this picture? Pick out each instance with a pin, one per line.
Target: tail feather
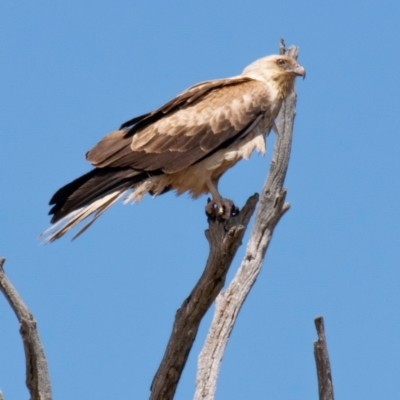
(75, 217)
(89, 187)
(90, 194)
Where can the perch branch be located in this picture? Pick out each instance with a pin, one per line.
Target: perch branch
(224, 239)
(271, 208)
(37, 374)
(325, 385)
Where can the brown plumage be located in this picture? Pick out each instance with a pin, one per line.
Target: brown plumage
(185, 145)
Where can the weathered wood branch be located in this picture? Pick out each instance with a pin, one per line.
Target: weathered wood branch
(37, 374)
(325, 384)
(271, 208)
(224, 239)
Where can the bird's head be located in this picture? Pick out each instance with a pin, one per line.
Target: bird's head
(279, 71)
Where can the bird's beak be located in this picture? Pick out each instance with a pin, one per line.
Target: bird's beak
(299, 71)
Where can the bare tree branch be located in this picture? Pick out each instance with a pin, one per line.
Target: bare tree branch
(325, 384)
(224, 239)
(37, 374)
(271, 208)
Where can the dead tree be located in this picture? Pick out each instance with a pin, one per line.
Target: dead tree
(224, 238)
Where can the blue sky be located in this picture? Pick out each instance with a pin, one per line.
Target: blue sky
(73, 71)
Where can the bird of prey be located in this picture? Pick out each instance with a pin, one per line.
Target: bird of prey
(185, 145)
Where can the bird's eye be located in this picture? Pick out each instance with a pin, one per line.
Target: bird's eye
(281, 62)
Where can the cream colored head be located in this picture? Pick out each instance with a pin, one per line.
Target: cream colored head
(279, 71)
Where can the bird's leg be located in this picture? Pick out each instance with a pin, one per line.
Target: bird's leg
(218, 206)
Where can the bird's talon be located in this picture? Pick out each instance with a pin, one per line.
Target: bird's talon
(210, 208)
(225, 209)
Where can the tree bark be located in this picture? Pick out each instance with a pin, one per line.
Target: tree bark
(37, 373)
(271, 208)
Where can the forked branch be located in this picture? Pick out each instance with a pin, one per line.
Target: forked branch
(224, 239)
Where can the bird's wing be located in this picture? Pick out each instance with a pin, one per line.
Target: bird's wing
(206, 117)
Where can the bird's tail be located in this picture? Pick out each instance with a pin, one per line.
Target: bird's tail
(89, 195)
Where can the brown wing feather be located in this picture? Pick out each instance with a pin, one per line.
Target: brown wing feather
(194, 124)
(181, 100)
(110, 145)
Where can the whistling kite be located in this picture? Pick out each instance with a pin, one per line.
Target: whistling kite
(185, 145)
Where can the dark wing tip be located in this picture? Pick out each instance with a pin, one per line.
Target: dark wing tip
(134, 121)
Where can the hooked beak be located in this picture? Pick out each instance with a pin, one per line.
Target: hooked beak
(299, 71)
